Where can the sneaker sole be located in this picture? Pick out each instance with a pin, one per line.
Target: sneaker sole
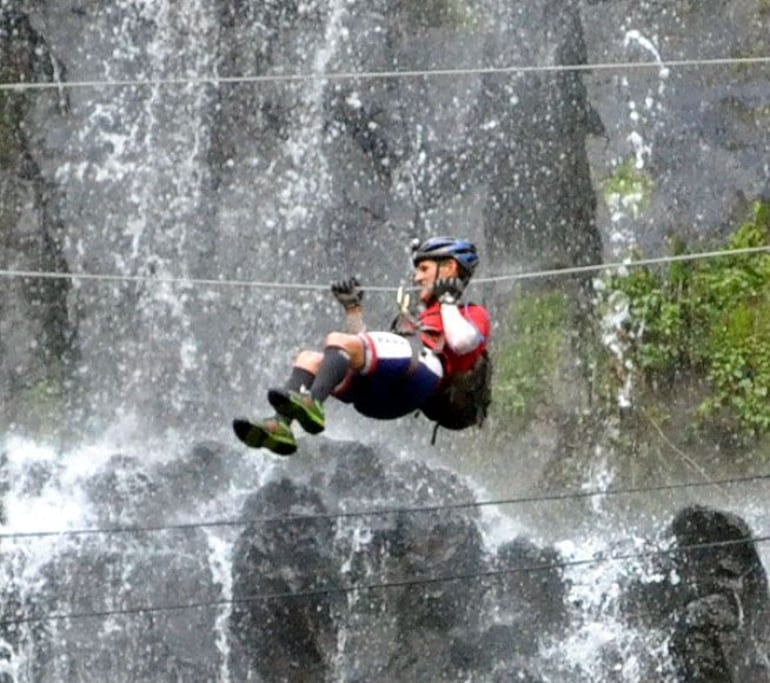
(254, 436)
(284, 406)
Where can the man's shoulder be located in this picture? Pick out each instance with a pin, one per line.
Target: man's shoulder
(476, 313)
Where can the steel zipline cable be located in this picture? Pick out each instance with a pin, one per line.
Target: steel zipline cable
(525, 275)
(375, 512)
(415, 582)
(352, 75)
(217, 80)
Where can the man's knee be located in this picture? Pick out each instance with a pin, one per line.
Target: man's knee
(351, 343)
(309, 360)
(342, 340)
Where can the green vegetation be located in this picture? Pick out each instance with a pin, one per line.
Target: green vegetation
(628, 188)
(42, 402)
(9, 138)
(12, 108)
(524, 365)
(709, 317)
(454, 14)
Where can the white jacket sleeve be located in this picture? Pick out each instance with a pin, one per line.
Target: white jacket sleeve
(460, 334)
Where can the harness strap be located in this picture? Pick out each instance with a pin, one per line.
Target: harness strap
(433, 436)
(417, 348)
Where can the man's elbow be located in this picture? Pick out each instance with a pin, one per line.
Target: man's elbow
(466, 343)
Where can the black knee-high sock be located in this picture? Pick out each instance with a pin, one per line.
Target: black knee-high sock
(334, 367)
(299, 379)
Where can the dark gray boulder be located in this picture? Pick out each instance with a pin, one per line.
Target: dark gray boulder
(404, 594)
(722, 631)
(709, 591)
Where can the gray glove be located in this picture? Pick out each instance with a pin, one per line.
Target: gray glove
(448, 290)
(348, 293)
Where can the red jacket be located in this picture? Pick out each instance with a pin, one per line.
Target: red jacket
(432, 331)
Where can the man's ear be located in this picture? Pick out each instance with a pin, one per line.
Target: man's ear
(451, 268)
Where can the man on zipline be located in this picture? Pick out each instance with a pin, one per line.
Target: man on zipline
(384, 375)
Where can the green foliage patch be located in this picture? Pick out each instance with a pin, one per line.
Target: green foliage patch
(628, 188)
(524, 365)
(452, 14)
(712, 317)
(10, 114)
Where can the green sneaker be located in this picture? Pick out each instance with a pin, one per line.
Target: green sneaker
(299, 406)
(273, 434)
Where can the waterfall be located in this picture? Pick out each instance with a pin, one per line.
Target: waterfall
(135, 159)
(56, 562)
(628, 190)
(212, 161)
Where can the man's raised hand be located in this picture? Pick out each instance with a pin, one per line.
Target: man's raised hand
(448, 290)
(348, 292)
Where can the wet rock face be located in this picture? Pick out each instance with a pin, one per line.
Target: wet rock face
(722, 631)
(710, 593)
(701, 133)
(92, 579)
(295, 583)
(416, 596)
(125, 586)
(292, 563)
(427, 585)
(36, 333)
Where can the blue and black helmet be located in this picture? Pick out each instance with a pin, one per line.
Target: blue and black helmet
(442, 248)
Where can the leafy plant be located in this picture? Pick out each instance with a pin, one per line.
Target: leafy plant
(708, 316)
(524, 365)
(10, 114)
(628, 188)
(453, 14)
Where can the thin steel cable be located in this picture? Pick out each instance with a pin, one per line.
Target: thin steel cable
(386, 75)
(527, 275)
(181, 281)
(385, 585)
(619, 265)
(418, 509)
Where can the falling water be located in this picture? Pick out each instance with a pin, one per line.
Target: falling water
(247, 185)
(628, 198)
